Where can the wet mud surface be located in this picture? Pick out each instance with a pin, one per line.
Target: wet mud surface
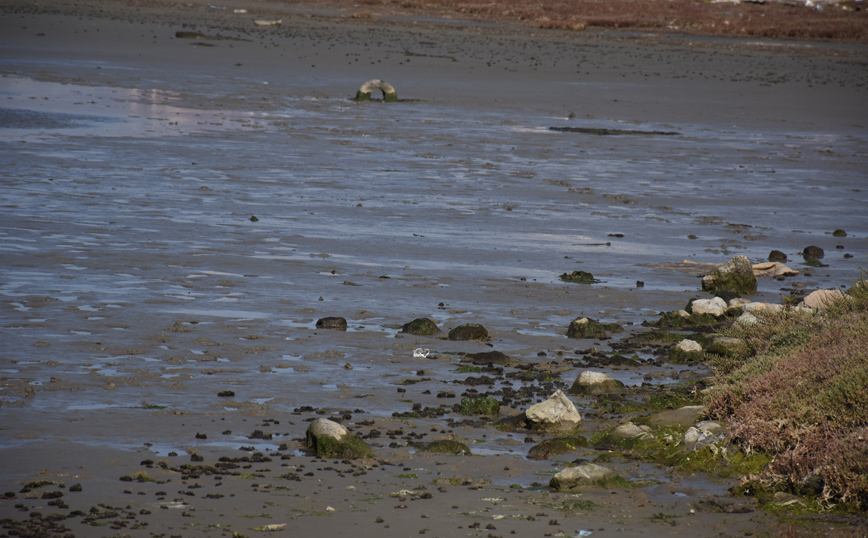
(176, 218)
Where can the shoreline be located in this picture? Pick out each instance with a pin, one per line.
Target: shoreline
(134, 312)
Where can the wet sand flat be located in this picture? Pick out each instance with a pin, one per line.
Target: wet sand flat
(178, 213)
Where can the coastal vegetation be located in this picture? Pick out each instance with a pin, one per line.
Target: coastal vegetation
(798, 391)
(846, 20)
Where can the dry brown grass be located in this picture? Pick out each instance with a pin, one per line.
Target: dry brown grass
(799, 392)
(847, 20)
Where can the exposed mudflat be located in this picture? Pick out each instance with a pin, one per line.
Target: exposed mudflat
(178, 213)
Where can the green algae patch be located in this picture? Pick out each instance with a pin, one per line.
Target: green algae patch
(447, 446)
(483, 405)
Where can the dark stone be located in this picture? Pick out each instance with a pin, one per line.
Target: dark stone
(487, 358)
(513, 423)
(336, 323)
(421, 327)
(777, 256)
(839, 233)
(469, 331)
(226, 394)
(612, 132)
(813, 253)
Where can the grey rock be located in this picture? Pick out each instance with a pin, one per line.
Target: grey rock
(589, 382)
(558, 411)
(586, 474)
(683, 416)
(715, 307)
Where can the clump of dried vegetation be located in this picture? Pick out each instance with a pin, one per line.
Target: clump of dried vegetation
(799, 392)
(788, 19)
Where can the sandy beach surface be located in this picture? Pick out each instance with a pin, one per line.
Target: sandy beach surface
(185, 193)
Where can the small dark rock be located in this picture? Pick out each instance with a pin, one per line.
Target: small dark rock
(777, 256)
(226, 394)
(839, 233)
(336, 323)
(469, 331)
(421, 327)
(813, 253)
(487, 358)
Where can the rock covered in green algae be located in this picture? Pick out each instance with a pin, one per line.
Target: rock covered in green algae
(725, 346)
(586, 474)
(579, 277)
(421, 327)
(735, 276)
(469, 331)
(589, 382)
(482, 405)
(447, 446)
(589, 328)
(557, 446)
(328, 439)
(389, 93)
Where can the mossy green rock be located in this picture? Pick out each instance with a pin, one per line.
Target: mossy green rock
(579, 277)
(328, 439)
(469, 331)
(557, 446)
(686, 352)
(589, 328)
(482, 405)
(421, 327)
(447, 447)
(349, 448)
(725, 346)
(735, 276)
